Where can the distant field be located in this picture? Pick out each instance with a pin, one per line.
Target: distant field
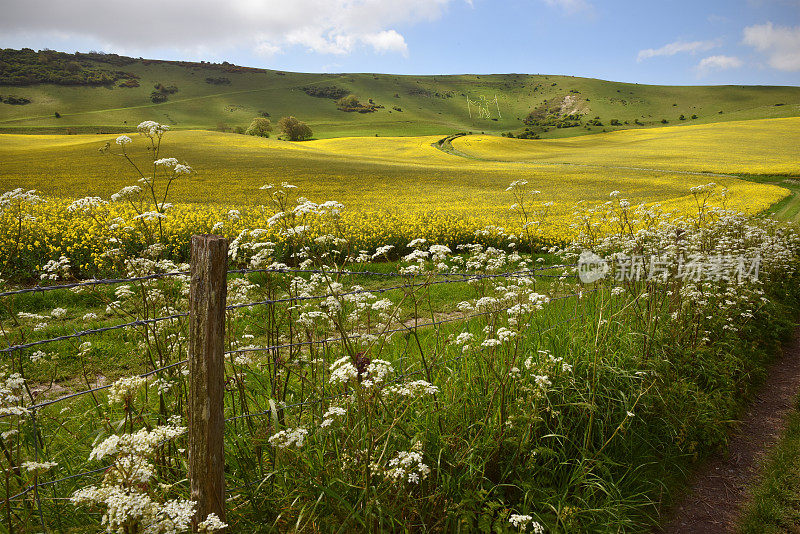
(746, 147)
(428, 105)
(393, 189)
(409, 175)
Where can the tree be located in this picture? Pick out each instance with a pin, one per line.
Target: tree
(261, 126)
(294, 129)
(348, 102)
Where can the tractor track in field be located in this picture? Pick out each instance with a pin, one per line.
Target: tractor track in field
(721, 488)
(446, 145)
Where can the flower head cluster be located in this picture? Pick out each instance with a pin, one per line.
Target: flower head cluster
(126, 492)
(55, 269)
(38, 466)
(416, 388)
(11, 395)
(86, 204)
(522, 522)
(343, 370)
(289, 437)
(408, 466)
(124, 389)
(151, 129)
(331, 414)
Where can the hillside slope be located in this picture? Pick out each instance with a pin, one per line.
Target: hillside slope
(409, 174)
(96, 93)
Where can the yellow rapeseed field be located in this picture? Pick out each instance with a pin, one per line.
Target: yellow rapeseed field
(393, 189)
(767, 146)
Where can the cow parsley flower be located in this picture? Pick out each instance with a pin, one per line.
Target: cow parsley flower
(166, 162)
(522, 522)
(38, 466)
(123, 389)
(343, 370)
(287, 438)
(408, 466)
(211, 523)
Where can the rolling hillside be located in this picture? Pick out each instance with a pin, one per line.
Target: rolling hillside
(410, 175)
(108, 94)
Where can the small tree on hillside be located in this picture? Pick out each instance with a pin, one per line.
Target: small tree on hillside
(348, 102)
(260, 127)
(294, 129)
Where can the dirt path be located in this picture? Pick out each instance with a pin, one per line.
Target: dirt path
(720, 489)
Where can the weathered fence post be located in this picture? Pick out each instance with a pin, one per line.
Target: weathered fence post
(207, 374)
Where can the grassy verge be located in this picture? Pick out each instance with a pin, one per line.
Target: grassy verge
(775, 505)
(787, 209)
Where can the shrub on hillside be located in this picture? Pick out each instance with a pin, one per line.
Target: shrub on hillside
(166, 89)
(260, 127)
(329, 91)
(351, 103)
(14, 100)
(27, 67)
(294, 130)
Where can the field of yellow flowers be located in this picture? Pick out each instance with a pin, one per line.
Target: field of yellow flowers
(393, 189)
(766, 146)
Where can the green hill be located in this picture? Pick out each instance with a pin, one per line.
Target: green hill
(109, 93)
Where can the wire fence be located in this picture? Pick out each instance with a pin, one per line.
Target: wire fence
(411, 283)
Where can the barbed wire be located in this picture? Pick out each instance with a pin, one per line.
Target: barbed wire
(89, 283)
(466, 279)
(408, 328)
(394, 381)
(395, 274)
(34, 407)
(108, 281)
(56, 481)
(137, 322)
(356, 336)
(140, 322)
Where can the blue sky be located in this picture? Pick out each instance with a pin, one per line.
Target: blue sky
(663, 42)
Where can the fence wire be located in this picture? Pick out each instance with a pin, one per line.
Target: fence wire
(460, 277)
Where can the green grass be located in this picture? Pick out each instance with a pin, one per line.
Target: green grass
(198, 104)
(775, 505)
(787, 209)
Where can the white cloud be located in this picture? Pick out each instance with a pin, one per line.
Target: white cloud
(267, 49)
(570, 6)
(718, 63)
(265, 26)
(781, 44)
(386, 41)
(678, 47)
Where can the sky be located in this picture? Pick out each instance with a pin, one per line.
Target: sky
(671, 42)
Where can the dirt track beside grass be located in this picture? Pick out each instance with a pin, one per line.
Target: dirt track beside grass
(719, 491)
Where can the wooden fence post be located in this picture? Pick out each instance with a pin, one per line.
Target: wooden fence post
(207, 296)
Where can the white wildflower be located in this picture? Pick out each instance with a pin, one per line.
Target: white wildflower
(287, 438)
